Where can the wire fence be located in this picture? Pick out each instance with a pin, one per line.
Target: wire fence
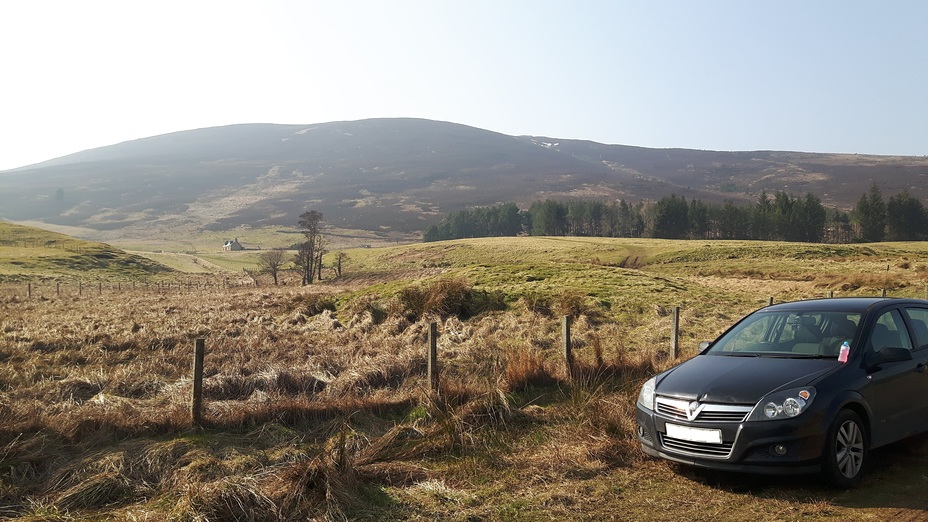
(47, 290)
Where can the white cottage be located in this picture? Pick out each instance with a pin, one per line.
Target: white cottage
(233, 245)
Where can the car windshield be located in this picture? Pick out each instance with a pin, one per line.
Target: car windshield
(789, 334)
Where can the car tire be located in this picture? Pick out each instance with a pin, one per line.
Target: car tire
(845, 450)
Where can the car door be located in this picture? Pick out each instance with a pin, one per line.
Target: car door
(917, 319)
(893, 385)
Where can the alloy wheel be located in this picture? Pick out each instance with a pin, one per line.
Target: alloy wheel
(849, 447)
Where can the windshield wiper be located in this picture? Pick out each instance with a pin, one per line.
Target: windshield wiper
(802, 356)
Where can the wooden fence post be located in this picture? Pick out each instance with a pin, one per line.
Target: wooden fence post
(770, 301)
(80, 288)
(100, 288)
(883, 293)
(567, 348)
(29, 291)
(58, 289)
(675, 334)
(433, 357)
(831, 293)
(196, 404)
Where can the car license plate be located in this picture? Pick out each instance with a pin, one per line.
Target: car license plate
(694, 434)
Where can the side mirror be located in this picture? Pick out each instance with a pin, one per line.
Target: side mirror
(703, 345)
(891, 354)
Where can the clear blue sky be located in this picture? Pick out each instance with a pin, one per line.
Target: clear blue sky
(822, 76)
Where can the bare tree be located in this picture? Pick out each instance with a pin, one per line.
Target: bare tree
(340, 258)
(270, 262)
(309, 257)
(321, 245)
(305, 262)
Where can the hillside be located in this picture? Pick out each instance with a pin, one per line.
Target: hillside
(396, 176)
(28, 253)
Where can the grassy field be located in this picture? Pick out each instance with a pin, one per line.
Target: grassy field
(317, 405)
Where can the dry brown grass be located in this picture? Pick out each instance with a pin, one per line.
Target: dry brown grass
(317, 406)
(96, 371)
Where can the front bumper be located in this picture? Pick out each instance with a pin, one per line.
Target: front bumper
(746, 446)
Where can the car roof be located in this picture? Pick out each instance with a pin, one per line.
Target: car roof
(842, 304)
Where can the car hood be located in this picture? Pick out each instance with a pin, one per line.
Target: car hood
(738, 380)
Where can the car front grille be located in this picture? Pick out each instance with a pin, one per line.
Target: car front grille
(704, 412)
(702, 449)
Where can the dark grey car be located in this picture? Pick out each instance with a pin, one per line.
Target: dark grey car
(775, 393)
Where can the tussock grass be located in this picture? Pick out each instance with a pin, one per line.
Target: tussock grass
(527, 367)
(100, 490)
(231, 499)
(446, 297)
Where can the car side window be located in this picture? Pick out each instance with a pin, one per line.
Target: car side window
(918, 318)
(889, 330)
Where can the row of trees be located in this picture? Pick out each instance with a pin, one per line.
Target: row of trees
(781, 216)
(902, 218)
(500, 220)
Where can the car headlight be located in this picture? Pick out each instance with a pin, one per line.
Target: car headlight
(783, 405)
(646, 396)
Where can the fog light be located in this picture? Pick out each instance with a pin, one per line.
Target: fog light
(640, 431)
(779, 449)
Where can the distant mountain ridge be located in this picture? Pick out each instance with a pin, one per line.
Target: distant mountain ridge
(400, 175)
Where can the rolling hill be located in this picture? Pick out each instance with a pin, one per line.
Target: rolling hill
(28, 253)
(397, 176)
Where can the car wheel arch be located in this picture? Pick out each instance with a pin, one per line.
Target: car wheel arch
(855, 402)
